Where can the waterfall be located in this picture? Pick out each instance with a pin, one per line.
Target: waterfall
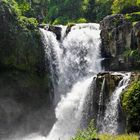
(73, 63)
(80, 61)
(74, 57)
(69, 111)
(109, 124)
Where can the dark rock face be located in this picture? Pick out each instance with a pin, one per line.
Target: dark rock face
(25, 95)
(57, 30)
(53, 28)
(69, 28)
(118, 37)
(136, 36)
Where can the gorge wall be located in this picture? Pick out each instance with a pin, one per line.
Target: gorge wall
(120, 43)
(24, 75)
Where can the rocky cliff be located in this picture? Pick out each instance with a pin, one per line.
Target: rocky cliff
(120, 43)
(24, 77)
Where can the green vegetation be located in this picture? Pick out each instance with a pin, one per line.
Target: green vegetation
(70, 11)
(133, 17)
(74, 11)
(119, 137)
(21, 49)
(90, 133)
(131, 105)
(131, 9)
(87, 134)
(133, 56)
(19, 39)
(125, 6)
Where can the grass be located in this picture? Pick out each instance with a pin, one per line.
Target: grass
(90, 133)
(118, 137)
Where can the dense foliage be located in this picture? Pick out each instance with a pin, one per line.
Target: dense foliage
(87, 134)
(131, 105)
(125, 6)
(67, 11)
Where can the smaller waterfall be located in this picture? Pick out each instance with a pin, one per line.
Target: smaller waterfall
(53, 54)
(109, 124)
(87, 114)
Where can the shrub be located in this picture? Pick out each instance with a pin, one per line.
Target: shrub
(131, 105)
(81, 20)
(29, 23)
(133, 16)
(60, 20)
(118, 137)
(125, 6)
(87, 134)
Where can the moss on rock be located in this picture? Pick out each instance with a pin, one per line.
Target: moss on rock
(24, 78)
(131, 105)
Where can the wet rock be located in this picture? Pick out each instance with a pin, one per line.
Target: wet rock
(69, 28)
(42, 26)
(57, 30)
(105, 88)
(136, 36)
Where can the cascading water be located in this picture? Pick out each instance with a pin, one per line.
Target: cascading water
(75, 57)
(73, 62)
(109, 123)
(69, 111)
(53, 53)
(79, 61)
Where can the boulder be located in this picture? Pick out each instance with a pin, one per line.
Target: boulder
(136, 36)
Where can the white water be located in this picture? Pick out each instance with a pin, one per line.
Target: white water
(69, 111)
(110, 122)
(75, 57)
(73, 62)
(79, 62)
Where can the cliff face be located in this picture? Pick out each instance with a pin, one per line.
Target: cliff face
(25, 85)
(120, 43)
